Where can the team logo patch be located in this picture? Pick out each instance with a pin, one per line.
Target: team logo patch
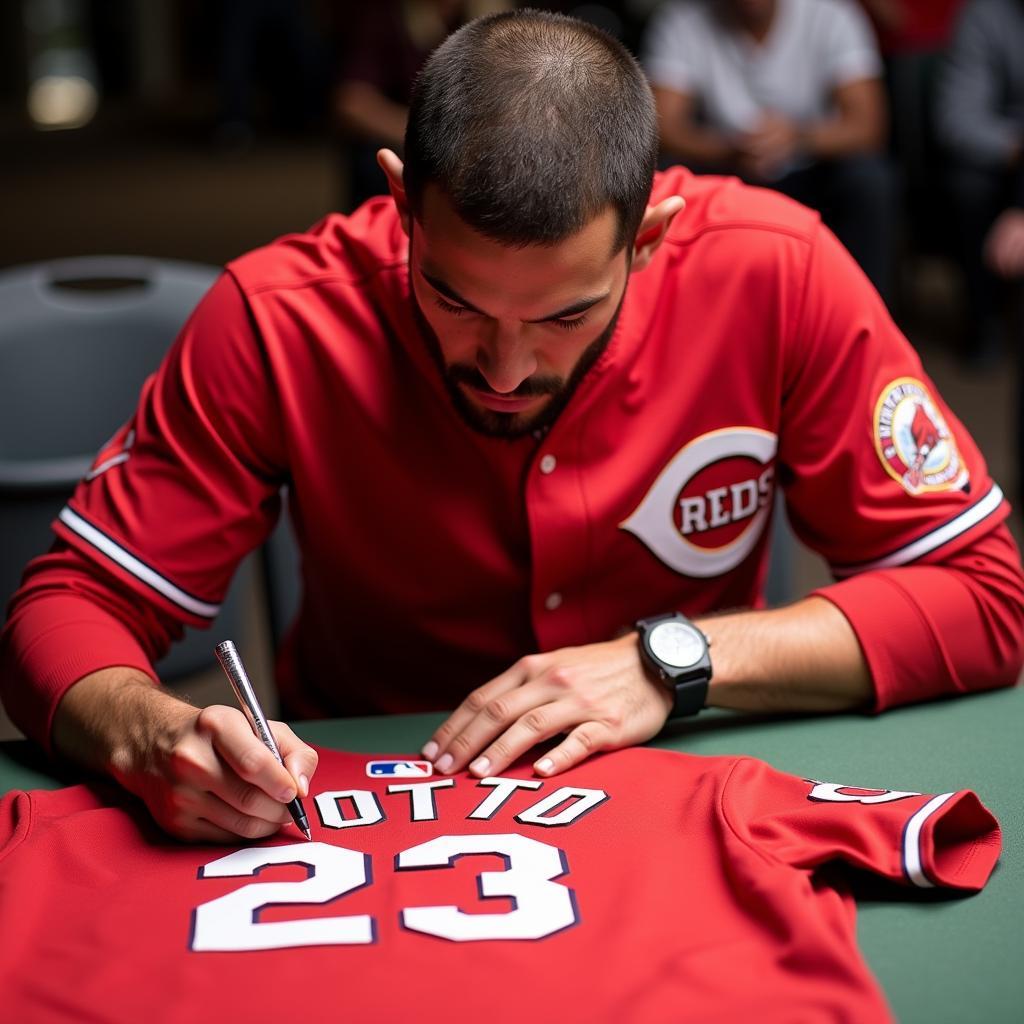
(399, 769)
(708, 507)
(913, 442)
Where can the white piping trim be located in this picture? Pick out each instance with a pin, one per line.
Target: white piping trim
(139, 570)
(930, 541)
(114, 460)
(912, 841)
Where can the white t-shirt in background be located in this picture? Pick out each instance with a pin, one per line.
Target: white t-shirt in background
(814, 46)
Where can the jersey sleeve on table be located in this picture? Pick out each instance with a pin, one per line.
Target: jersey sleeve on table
(949, 839)
(190, 484)
(877, 470)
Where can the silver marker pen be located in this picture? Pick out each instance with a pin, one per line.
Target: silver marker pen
(229, 660)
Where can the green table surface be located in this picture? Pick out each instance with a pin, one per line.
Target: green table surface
(938, 959)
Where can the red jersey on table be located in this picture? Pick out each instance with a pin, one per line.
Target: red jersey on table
(751, 353)
(643, 886)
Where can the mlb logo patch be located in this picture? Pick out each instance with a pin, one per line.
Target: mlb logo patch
(399, 769)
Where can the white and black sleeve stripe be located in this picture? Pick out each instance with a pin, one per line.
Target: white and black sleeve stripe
(913, 860)
(103, 543)
(986, 506)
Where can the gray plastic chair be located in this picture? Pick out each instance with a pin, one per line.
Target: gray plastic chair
(77, 339)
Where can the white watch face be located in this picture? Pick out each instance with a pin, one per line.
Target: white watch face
(677, 643)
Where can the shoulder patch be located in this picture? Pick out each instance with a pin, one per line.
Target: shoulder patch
(913, 442)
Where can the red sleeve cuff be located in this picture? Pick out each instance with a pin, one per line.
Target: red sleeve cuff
(63, 639)
(925, 632)
(961, 844)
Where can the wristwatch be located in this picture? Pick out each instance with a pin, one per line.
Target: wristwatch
(676, 651)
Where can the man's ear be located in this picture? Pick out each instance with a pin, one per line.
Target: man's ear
(392, 167)
(653, 229)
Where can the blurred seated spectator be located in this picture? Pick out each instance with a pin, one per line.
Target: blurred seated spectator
(787, 94)
(388, 41)
(1004, 243)
(913, 36)
(1004, 255)
(979, 118)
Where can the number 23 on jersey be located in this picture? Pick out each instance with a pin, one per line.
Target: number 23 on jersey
(541, 906)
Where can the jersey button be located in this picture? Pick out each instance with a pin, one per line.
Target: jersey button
(553, 601)
(548, 463)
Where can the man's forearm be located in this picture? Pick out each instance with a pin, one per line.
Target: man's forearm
(366, 112)
(804, 657)
(857, 125)
(67, 621)
(111, 719)
(830, 139)
(203, 774)
(694, 144)
(684, 137)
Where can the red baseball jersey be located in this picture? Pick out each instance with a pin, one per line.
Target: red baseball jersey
(751, 353)
(643, 886)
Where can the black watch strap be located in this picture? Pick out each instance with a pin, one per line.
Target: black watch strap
(691, 695)
(690, 685)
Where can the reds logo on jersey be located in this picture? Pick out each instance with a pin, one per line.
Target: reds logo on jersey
(708, 507)
(913, 442)
(837, 793)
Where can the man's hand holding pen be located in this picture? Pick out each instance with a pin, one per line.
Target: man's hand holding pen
(221, 783)
(201, 772)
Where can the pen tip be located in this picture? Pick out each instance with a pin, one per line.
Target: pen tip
(308, 834)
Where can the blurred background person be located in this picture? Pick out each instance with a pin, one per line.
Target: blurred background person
(979, 117)
(1004, 255)
(787, 94)
(913, 36)
(386, 43)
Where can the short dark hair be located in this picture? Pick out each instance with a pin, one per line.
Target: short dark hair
(531, 123)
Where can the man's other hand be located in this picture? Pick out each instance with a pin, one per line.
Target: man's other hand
(765, 151)
(599, 695)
